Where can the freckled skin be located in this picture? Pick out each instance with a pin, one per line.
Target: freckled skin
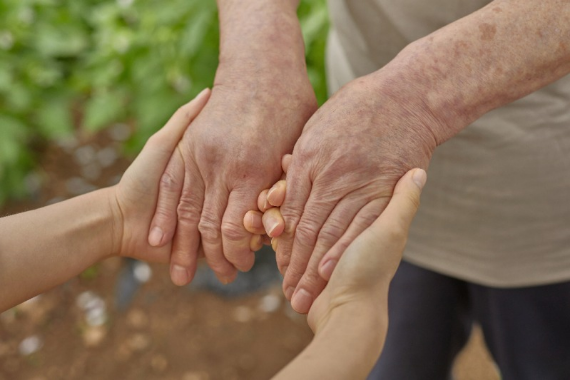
(488, 31)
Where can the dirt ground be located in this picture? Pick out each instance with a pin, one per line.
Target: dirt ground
(76, 332)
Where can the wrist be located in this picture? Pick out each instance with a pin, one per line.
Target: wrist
(356, 329)
(116, 221)
(262, 52)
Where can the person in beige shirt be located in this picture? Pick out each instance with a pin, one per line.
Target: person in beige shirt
(407, 76)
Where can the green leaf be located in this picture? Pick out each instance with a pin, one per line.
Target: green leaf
(61, 41)
(54, 118)
(13, 138)
(194, 35)
(102, 109)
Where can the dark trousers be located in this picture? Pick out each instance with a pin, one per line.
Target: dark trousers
(526, 329)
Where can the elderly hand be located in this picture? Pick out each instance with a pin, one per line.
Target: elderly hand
(362, 275)
(342, 175)
(227, 156)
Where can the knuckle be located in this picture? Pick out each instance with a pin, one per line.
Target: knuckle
(209, 229)
(163, 214)
(331, 232)
(233, 231)
(188, 211)
(291, 218)
(169, 182)
(306, 235)
(311, 281)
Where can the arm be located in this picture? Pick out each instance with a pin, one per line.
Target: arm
(43, 248)
(492, 57)
(393, 119)
(260, 101)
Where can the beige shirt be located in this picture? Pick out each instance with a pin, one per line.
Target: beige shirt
(496, 209)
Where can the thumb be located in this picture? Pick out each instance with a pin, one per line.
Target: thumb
(151, 162)
(404, 203)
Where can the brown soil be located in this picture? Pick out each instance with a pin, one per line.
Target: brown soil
(168, 332)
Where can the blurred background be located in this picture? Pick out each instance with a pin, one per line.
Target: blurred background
(83, 84)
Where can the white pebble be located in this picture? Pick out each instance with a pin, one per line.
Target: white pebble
(30, 345)
(270, 303)
(142, 272)
(107, 156)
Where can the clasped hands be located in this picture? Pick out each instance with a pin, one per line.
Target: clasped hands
(338, 185)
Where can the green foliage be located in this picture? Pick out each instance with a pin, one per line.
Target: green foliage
(68, 64)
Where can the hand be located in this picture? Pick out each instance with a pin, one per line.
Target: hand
(363, 274)
(134, 199)
(227, 156)
(342, 175)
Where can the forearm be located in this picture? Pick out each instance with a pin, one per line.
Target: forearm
(43, 248)
(262, 49)
(346, 347)
(492, 57)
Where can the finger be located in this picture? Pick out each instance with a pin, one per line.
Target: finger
(211, 232)
(305, 273)
(299, 189)
(256, 243)
(163, 224)
(252, 221)
(266, 240)
(276, 195)
(404, 203)
(186, 243)
(160, 159)
(262, 203)
(315, 213)
(159, 148)
(234, 236)
(285, 162)
(363, 219)
(398, 214)
(273, 223)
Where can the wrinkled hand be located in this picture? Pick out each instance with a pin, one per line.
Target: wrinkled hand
(228, 155)
(342, 175)
(135, 198)
(363, 274)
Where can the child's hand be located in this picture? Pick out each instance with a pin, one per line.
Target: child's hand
(362, 275)
(135, 197)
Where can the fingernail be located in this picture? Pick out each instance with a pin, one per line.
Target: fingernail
(302, 301)
(274, 244)
(327, 269)
(420, 178)
(202, 93)
(270, 192)
(255, 222)
(272, 228)
(289, 293)
(155, 236)
(179, 275)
